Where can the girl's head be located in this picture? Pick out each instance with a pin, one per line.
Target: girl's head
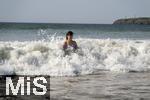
(69, 35)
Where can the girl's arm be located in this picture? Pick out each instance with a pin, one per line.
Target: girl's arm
(65, 45)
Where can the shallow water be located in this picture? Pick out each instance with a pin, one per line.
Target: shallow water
(104, 86)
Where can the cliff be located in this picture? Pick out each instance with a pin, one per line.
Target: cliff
(140, 21)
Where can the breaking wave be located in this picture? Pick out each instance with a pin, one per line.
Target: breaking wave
(47, 58)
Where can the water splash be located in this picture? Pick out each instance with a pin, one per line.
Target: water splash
(44, 57)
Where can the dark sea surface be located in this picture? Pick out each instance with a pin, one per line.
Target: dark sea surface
(31, 31)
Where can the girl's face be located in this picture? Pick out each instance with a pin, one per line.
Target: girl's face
(70, 37)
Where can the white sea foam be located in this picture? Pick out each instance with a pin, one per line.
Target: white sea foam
(47, 58)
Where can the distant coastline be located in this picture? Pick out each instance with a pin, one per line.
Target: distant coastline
(139, 21)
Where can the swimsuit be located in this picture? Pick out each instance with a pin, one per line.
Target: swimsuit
(71, 47)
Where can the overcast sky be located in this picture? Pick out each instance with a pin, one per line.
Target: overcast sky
(72, 11)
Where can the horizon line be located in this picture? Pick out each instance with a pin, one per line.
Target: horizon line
(11, 22)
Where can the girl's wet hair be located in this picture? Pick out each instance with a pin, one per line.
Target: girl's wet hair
(69, 33)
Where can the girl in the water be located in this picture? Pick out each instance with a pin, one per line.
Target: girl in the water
(69, 43)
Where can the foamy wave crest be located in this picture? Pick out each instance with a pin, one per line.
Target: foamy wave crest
(47, 58)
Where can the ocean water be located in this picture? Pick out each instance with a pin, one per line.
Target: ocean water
(112, 62)
(37, 49)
